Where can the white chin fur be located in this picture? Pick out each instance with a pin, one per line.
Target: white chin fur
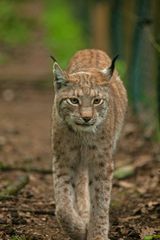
(79, 128)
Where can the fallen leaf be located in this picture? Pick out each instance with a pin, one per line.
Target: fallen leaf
(124, 172)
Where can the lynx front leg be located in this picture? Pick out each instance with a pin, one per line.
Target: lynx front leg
(66, 214)
(82, 194)
(100, 189)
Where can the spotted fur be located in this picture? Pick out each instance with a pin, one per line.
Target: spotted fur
(88, 113)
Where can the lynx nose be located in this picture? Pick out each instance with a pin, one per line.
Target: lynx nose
(86, 119)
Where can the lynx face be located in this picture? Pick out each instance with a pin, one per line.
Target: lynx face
(82, 103)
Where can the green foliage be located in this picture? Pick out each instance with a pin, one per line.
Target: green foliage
(121, 68)
(64, 34)
(14, 29)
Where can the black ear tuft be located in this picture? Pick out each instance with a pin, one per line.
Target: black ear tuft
(53, 58)
(111, 68)
(108, 72)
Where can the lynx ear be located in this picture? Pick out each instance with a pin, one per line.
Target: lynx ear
(59, 76)
(109, 71)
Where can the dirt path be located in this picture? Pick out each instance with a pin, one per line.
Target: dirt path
(25, 141)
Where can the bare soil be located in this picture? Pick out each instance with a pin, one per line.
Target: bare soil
(25, 122)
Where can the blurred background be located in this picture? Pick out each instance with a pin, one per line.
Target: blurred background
(31, 31)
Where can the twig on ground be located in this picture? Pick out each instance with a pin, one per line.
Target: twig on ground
(33, 211)
(120, 173)
(14, 188)
(5, 167)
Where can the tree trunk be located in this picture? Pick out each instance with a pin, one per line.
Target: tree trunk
(141, 58)
(157, 38)
(116, 29)
(100, 25)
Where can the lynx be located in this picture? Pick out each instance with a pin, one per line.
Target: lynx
(88, 113)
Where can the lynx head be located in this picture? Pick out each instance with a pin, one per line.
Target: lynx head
(82, 98)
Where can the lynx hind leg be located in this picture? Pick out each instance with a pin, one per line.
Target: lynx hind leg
(82, 195)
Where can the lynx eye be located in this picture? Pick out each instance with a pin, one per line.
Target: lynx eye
(97, 101)
(73, 101)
